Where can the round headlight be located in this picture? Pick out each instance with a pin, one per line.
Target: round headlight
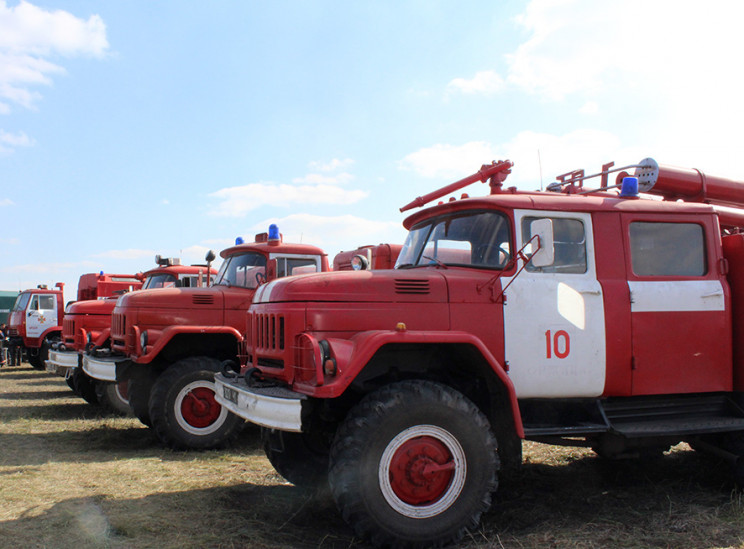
(143, 341)
(359, 263)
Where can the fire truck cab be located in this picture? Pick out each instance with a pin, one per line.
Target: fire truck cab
(168, 344)
(88, 324)
(576, 316)
(35, 322)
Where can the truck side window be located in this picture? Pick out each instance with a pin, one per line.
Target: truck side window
(667, 249)
(287, 266)
(34, 304)
(46, 302)
(570, 245)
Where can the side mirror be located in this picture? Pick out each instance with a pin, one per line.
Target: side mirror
(545, 253)
(209, 258)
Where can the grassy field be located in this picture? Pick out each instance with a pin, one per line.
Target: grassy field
(73, 477)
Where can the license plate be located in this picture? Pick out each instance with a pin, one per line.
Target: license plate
(230, 394)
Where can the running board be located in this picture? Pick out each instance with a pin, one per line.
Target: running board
(633, 417)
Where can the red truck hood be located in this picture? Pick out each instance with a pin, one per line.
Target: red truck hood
(91, 307)
(413, 285)
(173, 298)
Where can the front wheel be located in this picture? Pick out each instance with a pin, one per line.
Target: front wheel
(301, 458)
(84, 386)
(414, 465)
(183, 410)
(113, 397)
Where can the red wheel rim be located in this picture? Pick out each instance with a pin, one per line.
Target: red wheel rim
(199, 407)
(421, 470)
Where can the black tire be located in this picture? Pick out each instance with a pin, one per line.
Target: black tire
(70, 382)
(139, 388)
(183, 410)
(35, 361)
(85, 386)
(113, 397)
(298, 457)
(377, 459)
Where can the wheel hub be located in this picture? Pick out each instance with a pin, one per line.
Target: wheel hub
(421, 470)
(199, 407)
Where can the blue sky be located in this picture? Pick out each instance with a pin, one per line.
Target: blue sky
(134, 128)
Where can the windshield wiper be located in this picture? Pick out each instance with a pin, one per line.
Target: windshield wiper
(435, 260)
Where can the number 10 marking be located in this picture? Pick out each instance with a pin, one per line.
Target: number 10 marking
(553, 345)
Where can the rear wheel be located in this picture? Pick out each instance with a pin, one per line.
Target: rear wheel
(114, 396)
(183, 410)
(414, 465)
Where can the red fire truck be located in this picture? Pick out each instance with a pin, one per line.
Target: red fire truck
(88, 323)
(575, 317)
(169, 343)
(35, 322)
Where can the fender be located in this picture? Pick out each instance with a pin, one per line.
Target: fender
(145, 356)
(352, 355)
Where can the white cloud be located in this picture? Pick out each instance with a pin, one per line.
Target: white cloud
(321, 179)
(44, 269)
(537, 156)
(6, 202)
(10, 241)
(589, 47)
(130, 253)
(334, 234)
(9, 141)
(450, 161)
(29, 36)
(484, 82)
(589, 108)
(236, 201)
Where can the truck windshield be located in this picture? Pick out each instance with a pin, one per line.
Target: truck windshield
(246, 270)
(21, 302)
(477, 239)
(160, 280)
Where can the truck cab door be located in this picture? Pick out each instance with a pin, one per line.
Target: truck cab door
(679, 305)
(554, 326)
(41, 314)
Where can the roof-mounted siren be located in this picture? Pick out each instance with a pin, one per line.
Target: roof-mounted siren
(167, 261)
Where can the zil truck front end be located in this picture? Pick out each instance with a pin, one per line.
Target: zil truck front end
(335, 334)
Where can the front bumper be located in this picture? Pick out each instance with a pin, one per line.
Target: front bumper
(103, 368)
(62, 362)
(274, 407)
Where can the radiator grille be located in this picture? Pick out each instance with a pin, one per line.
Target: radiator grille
(68, 327)
(118, 325)
(269, 331)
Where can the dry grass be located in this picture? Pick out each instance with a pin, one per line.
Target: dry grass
(71, 477)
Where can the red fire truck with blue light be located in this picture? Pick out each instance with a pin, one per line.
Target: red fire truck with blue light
(574, 316)
(88, 324)
(167, 344)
